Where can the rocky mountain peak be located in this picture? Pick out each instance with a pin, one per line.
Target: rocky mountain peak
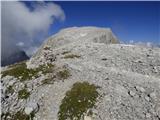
(72, 36)
(83, 73)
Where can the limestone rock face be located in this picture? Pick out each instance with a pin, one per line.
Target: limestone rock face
(72, 36)
(127, 78)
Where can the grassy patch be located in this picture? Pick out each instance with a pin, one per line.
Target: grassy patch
(71, 56)
(16, 64)
(10, 90)
(77, 101)
(23, 94)
(20, 115)
(63, 74)
(45, 68)
(21, 71)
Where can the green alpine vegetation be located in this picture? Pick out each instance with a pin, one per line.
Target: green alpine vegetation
(20, 115)
(63, 74)
(77, 101)
(23, 94)
(21, 71)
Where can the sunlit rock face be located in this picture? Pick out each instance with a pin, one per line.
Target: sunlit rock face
(73, 36)
(84, 73)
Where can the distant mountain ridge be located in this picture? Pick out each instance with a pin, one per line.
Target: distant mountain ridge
(14, 58)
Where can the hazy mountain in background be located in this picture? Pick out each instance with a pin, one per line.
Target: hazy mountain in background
(14, 58)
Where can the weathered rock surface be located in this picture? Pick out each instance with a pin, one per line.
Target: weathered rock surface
(128, 77)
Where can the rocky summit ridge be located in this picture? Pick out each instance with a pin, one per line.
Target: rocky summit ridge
(84, 73)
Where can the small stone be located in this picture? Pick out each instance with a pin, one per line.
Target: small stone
(107, 78)
(153, 95)
(11, 82)
(32, 106)
(155, 69)
(104, 58)
(40, 72)
(147, 98)
(140, 88)
(9, 77)
(148, 115)
(21, 100)
(28, 110)
(22, 85)
(95, 111)
(131, 93)
(139, 61)
(87, 118)
(29, 89)
(42, 94)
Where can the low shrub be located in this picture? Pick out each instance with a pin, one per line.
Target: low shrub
(63, 74)
(23, 94)
(21, 71)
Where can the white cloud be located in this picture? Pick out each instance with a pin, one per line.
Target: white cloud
(31, 50)
(24, 27)
(149, 44)
(20, 44)
(131, 41)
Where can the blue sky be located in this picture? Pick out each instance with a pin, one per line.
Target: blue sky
(137, 21)
(25, 25)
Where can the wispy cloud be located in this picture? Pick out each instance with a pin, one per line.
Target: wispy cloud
(23, 28)
(147, 44)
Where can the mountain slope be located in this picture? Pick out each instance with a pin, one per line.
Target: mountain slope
(62, 79)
